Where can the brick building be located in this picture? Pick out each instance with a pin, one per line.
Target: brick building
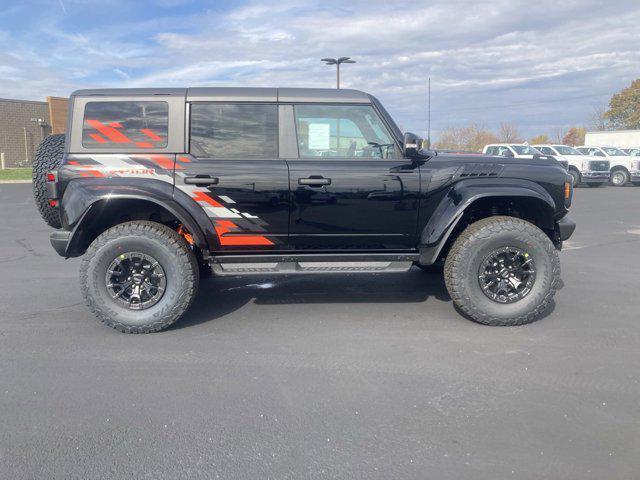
(25, 123)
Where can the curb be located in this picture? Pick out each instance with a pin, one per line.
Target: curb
(15, 181)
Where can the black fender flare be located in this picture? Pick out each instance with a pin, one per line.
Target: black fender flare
(463, 194)
(85, 199)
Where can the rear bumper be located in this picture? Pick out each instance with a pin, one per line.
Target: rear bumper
(59, 241)
(565, 227)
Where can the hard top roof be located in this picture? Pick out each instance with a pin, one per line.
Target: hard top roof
(237, 94)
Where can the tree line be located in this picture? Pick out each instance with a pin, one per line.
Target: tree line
(623, 114)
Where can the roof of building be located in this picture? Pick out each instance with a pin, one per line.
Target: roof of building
(14, 100)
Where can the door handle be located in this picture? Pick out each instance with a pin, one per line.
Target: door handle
(314, 181)
(201, 180)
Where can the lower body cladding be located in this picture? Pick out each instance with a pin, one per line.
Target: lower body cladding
(565, 227)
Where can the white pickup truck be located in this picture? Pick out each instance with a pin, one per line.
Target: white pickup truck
(584, 169)
(623, 168)
(518, 150)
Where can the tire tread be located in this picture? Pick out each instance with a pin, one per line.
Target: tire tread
(482, 230)
(144, 229)
(48, 157)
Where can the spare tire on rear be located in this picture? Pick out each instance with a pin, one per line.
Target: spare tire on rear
(47, 158)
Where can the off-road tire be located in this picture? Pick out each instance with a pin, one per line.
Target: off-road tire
(47, 158)
(471, 247)
(625, 176)
(162, 243)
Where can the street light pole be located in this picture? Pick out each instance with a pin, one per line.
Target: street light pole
(337, 62)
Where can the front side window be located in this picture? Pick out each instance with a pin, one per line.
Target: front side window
(525, 150)
(565, 150)
(546, 150)
(614, 152)
(351, 131)
(504, 152)
(139, 125)
(592, 151)
(234, 131)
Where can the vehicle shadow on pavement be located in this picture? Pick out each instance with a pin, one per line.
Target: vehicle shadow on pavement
(219, 296)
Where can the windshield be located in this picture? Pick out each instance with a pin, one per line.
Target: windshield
(525, 150)
(614, 152)
(564, 150)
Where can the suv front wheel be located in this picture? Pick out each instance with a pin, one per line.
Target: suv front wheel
(139, 277)
(502, 271)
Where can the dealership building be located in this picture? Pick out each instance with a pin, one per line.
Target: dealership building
(24, 124)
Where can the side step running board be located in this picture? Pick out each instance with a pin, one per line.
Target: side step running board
(309, 267)
(312, 263)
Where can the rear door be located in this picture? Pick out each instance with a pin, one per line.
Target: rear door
(351, 188)
(234, 173)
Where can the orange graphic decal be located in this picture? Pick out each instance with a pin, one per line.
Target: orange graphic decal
(98, 138)
(109, 132)
(164, 161)
(224, 226)
(150, 134)
(203, 197)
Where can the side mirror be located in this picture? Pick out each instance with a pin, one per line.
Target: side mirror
(412, 145)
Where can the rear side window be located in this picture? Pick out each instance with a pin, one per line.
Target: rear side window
(138, 125)
(234, 131)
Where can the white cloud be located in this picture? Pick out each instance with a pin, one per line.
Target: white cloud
(490, 60)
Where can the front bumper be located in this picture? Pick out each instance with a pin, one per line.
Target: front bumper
(59, 241)
(635, 174)
(565, 227)
(595, 176)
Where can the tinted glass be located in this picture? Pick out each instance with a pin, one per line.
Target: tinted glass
(139, 125)
(591, 151)
(614, 152)
(564, 150)
(504, 152)
(352, 131)
(234, 131)
(525, 150)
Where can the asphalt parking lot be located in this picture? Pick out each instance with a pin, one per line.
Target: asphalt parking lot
(357, 377)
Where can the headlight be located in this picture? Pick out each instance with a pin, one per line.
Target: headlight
(585, 164)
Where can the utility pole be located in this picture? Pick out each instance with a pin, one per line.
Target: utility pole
(429, 114)
(337, 62)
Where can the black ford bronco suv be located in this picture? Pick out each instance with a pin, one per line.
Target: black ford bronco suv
(158, 186)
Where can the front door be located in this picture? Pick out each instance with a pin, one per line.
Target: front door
(351, 188)
(233, 172)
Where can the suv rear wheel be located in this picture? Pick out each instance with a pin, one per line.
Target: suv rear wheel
(139, 277)
(502, 271)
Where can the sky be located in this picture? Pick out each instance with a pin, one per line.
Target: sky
(542, 65)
